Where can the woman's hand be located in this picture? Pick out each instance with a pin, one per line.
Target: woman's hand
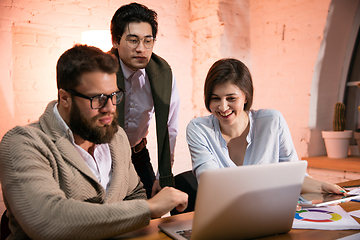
(311, 185)
(332, 188)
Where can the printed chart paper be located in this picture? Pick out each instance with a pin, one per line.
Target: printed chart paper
(324, 218)
(353, 191)
(355, 214)
(355, 236)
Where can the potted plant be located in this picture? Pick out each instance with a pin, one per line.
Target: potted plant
(337, 141)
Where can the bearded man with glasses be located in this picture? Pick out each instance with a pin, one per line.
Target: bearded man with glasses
(69, 175)
(150, 87)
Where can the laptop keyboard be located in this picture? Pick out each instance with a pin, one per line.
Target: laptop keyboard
(185, 233)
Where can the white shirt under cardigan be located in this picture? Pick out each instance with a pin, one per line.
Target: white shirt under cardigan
(269, 141)
(100, 164)
(139, 107)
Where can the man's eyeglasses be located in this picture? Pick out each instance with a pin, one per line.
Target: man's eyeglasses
(99, 101)
(134, 41)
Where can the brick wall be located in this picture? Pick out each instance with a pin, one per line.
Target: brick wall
(285, 41)
(34, 33)
(278, 39)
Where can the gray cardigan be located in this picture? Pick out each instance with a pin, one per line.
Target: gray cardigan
(50, 192)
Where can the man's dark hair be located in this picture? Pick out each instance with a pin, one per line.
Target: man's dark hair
(133, 12)
(81, 59)
(233, 71)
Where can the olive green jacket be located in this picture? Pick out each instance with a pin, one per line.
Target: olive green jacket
(160, 78)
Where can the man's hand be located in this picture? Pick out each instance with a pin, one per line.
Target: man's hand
(166, 200)
(156, 188)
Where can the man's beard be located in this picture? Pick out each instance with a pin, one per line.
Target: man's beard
(87, 128)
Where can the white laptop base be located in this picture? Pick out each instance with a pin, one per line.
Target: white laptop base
(243, 202)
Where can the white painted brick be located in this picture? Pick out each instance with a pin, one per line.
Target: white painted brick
(30, 97)
(32, 28)
(69, 31)
(21, 62)
(298, 52)
(191, 37)
(33, 6)
(24, 120)
(64, 43)
(94, 4)
(12, 13)
(71, 8)
(97, 23)
(5, 27)
(38, 63)
(28, 74)
(23, 85)
(201, 9)
(51, 19)
(56, 52)
(151, 4)
(23, 50)
(47, 90)
(24, 38)
(102, 12)
(45, 41)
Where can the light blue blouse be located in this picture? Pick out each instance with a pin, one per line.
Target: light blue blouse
(269, 141)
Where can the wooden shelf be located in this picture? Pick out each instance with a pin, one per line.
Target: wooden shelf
(349, 164)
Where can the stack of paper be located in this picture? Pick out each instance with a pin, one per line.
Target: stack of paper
(324, 218)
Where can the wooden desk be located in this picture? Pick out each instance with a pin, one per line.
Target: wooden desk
(152, 232)
(349, 164)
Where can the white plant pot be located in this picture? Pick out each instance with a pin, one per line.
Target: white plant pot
(337, 143)
(357, 138)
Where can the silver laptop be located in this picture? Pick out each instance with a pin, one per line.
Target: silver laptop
(243, 202)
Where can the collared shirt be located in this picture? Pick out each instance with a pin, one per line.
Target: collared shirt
(139, 107)
(269, 141)
(100, 164)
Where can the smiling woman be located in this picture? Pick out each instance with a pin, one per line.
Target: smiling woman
(235, 135)
(227, 104)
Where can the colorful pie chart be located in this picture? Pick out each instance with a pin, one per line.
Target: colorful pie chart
(317, 215)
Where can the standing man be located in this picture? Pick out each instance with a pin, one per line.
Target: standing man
(69, 175)
(149, 87)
